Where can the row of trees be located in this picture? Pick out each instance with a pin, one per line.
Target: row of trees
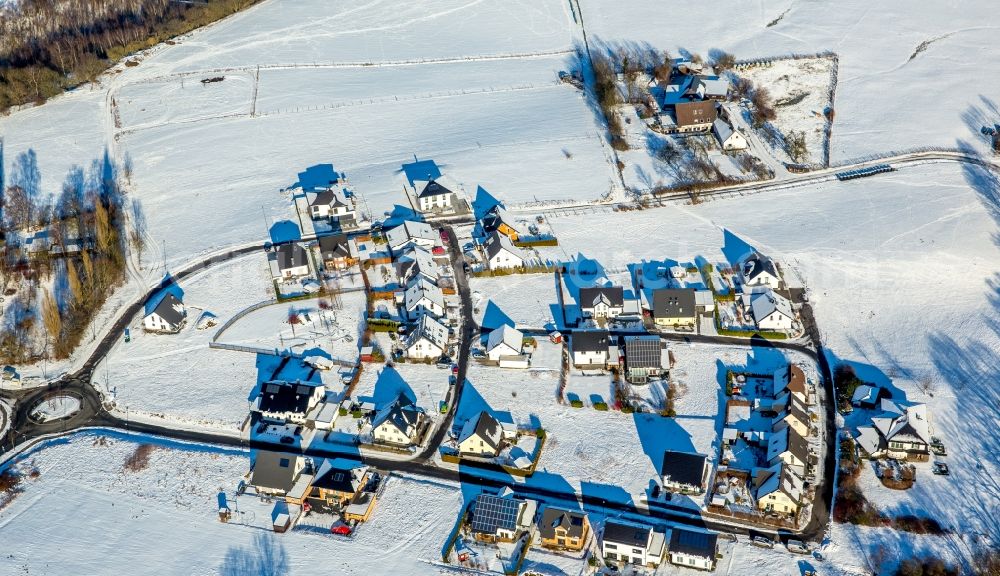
(47, 46)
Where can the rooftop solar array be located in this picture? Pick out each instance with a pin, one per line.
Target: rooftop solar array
(492, 512)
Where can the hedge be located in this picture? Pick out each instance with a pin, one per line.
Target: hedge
(601, 406)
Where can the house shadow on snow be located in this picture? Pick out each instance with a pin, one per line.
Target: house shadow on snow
(284, 231)
(493, 318)
(658, 434)
(734, 248)
(317, 177)
(168, 285)
(484, 202)
(420, 170)
(398, 214)
(388, 386)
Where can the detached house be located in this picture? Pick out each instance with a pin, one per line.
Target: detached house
(504, 341)
(280, 474)
(590, 348)
(644, 358)
(675, 307)
(630, 543)
(693, 549)
(416, 262)
(292, 261)
(771, 311)
(501, 517)
(481, 436)
(898, 432)
(684, 472)
(340, 480)
(166, 315)
(501, 253)
(421, 298)
(428, 340)
(335, 252)
(778, 489)
(288, 402)
(436, 194)
(328, 204)
(759, 270)
(602, 302)
(728, 138)
(398, 423)
(563, 529)
(411, 233)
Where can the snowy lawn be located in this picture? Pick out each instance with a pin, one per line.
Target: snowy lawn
(525, 300)
(166, 509)
(56, 408)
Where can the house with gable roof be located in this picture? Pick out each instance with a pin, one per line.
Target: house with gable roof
(759, 270)
(398, 423)
(166, 315)
(562, 529)
(482, 436)
(778, 489)
(899, 432)
(435, 194)
(602, 302)
(428, 340)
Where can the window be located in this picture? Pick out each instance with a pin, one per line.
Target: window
(691, 561)
(610, 545)
(283, 463)
(637, 551)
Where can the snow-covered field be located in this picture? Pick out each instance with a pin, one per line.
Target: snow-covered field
(166, 515)
(178, 376)
(56, 408)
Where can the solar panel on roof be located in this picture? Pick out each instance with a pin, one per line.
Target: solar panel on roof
(272, 388)
(493, 512)
(302, 390)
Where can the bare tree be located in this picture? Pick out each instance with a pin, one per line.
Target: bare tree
(19, 208)
(927, 385)
(52, 319)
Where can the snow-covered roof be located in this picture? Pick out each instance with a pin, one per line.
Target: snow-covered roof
(431, 329)
(409, 231)
(722, 129)
(864, 394)
(768, 302)
(417, 260)
(496, 242)
(169, 308)
(483, 426)
(781, 478)
(401, 414)
(421, 288)
(507, 335)
(756, 264)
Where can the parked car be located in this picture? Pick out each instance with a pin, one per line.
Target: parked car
(941, 469)
(444, 237)
(762, 542)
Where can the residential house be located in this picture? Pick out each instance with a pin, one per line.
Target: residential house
(602, 302)
(778, 489)
(328, 204)
(644, 358)
(501, 517)
(166, 315)
(590, 348)
(498, 220)
(797, 417)
(416, 262)
(292, 260)
(693, 549)
(759, 270)
(435, 194)
(684, 472)
(409, 233)
(504, 341)
(728, 138)
(481, 436)
(695, 116)
(675, 307)
(338, 480)
(630, 543)
(398, 423)
(791, 379)
(422, 298)
(708, 88)
(898, 432)
(771, 311)
(428, 340)
(868, 396)
(280, 474)
(335, 252)
(563, 529)
(788, 446)
(288, 402)
(501, 253)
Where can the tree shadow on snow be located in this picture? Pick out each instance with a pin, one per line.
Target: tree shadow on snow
(264, 556)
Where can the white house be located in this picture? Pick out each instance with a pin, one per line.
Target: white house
(728, 138)
(416, 262)
(788, 446)
(897, 432)
(279, 474)
(693, 549)
(411, 232)
(428, 340)
(328, 204)
(421, 298)
(481, 436)
(590, 348)
(501, 252)
(436, 194)
(759, 270)
(778, 489)
(684, 472)
(292, 260)
(167, 315)
(398, 423)
(288, 402)
(630, 543)
(771, 311)
(797, 417)
(602, 302)
(504, 341)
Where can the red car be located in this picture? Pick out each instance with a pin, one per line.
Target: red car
(444, 236)
(341, 529)
(454, 368)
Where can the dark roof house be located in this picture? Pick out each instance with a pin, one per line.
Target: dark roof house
(291, 256)
(643, 352)
(683, 468)
(695, 114)
(334, 247)
(613, 296)
(279, 397)
(433, 188)
(674, 303)
(572, 522)
(630, 534)
(275, 470)
(170, 308)
(493, 512)
(693, 543)
(589, 341)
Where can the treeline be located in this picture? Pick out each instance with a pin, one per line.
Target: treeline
(88, 213)
(47, 46)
